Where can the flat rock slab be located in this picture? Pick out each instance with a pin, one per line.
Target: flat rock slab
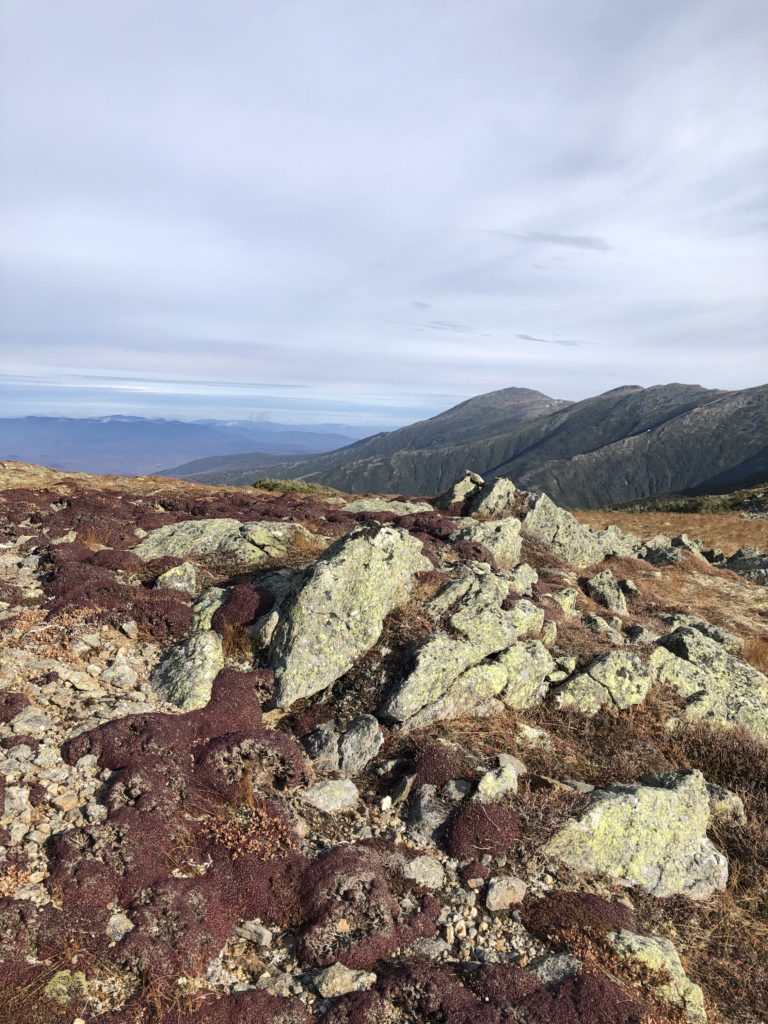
(185, 673)
(247, 544)
(575, 543)
(338, 612)
(620, 678)
(651, 834)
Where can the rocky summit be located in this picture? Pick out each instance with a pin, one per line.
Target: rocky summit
(293, 756)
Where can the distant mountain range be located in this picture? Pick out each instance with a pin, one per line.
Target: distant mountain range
(135, 445)
(628, 443)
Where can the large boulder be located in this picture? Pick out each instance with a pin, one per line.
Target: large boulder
(185, 673)
(651, 834)
(247, 544)
(618, 677)
(493, 499)
(479, 627)
(570, 540)
(501, 537)
(527, 666)
(604, 589)
(661, 960)
(461, 491)
(716, 685)
(396, 507)
(338, 612)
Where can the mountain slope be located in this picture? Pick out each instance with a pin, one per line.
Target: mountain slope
(473, 420)
(629, 443)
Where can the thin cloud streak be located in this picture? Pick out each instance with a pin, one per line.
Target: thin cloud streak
(566, 342)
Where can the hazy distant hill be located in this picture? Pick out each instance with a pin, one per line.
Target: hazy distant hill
(628, 443)
(133, 444)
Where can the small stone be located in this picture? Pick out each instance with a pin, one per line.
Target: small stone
(425, 871)
(339, 980)
(497, 782)
(255, 932)
(130, 629)
(332, 795)
(360, 744)
(118, 926)
(180, 577)
(505, 892)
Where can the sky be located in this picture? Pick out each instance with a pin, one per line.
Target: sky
(315, 210)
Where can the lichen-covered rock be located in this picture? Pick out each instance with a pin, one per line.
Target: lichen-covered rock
(205, 607)
(604, 589)
(360, 744)
(184, 675)
(425, 871)
(332, 795)
(493, 499)
(498, 782)
(618, 677)
(463, 489)
(527, 666)
(660, 957)
(398, 508)
(567, 598)
(338, 980)
(572, 541)
(651, 834)
(728, 641)
(522, 579)
(338, 612)
(501, 537)
(716, 685)
(178, 577)
(480, 627)
(247, 544)
(527, 618)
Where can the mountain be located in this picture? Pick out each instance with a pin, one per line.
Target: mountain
(133, 444)
(628, 443)
(472, 420)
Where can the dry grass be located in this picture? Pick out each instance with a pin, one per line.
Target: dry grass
(755, 652)
(728, 530)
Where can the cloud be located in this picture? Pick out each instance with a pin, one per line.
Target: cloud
(567, 342)
(265, 198)
(568, 241)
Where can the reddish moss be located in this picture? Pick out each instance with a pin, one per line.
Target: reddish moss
(243, 606)
(558, 913)
(472, 551)
(438, 763)
(351, 885)
(585, 999)
(11, 703)
(476, 829)
(118, 561)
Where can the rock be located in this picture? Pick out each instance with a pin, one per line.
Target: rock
(322, 746)
(339, 980)
(425, 871)
(31, 721)
(130, 628)
(604, 589)
(522, 579)
(660, 957)
(205, 607)
(460, 492)
(505, 892)
(650, 834)
(332, 795)
(118, 926)
(360, 744)
(567, 598)
(598, 625)
(527, 619)
(185, 673)
(749, 562)
(715, 684)
(728, 641)
(447, 678)
(575, 543)
(640, 635)
(338, 612)
(120, 673)
(549, 633)
(493, 499)
(427, 815)
(398, 508)
(618, 677)
(255, 932)
(180, 577)
(497, 782)
(428, 949)
(725, 807)
(553, 969)
(501, 537)
(247, 544)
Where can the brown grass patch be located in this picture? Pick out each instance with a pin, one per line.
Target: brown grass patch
(755, 652)
(728, 530)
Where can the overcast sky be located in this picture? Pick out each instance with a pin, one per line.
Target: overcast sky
(372, 210)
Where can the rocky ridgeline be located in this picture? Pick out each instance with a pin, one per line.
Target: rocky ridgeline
(273, 759)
